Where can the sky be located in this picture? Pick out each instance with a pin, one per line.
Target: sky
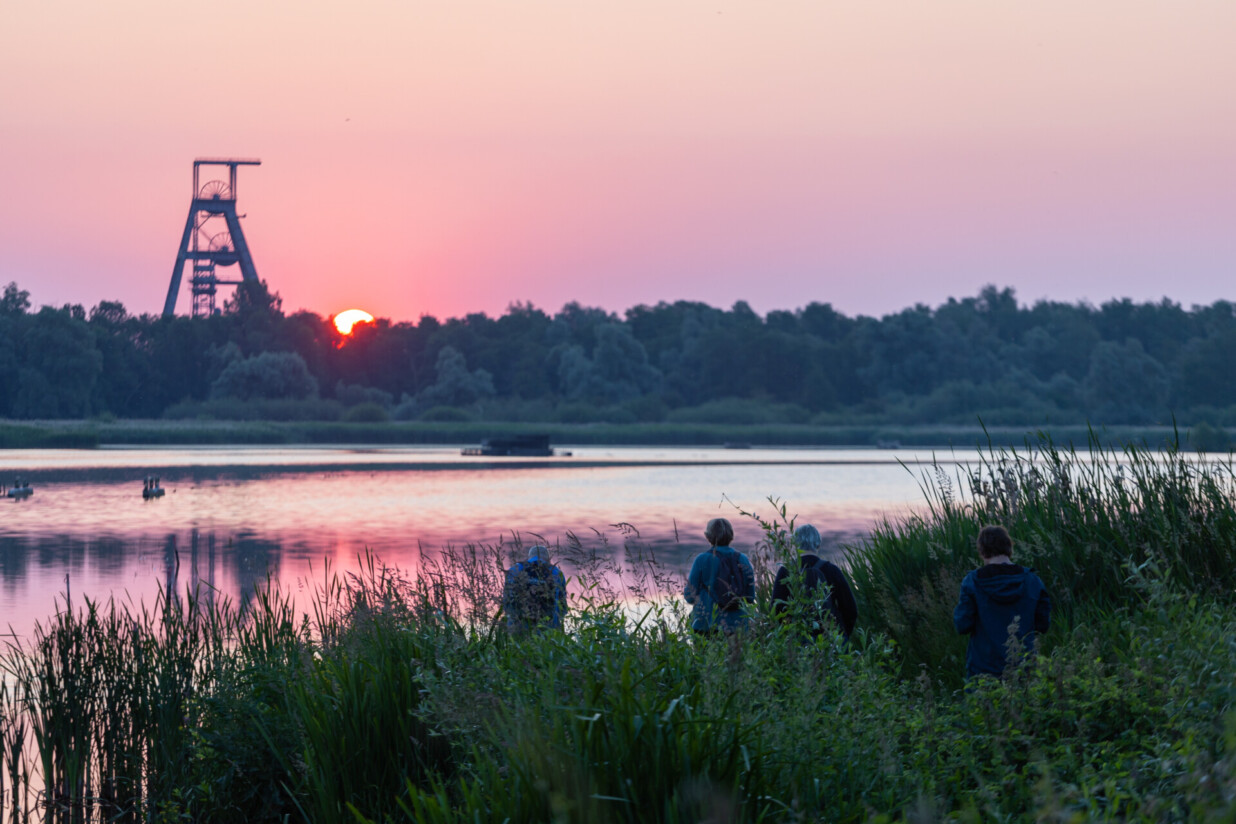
(444, 157)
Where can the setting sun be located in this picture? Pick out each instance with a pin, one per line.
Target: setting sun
(345, 320)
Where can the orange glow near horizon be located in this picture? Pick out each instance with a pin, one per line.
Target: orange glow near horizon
(345, 320)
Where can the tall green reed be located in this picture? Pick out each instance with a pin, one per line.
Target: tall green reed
(111, 699)
(609, 723)
(15, 766)
(357, 700)
(1085, 521)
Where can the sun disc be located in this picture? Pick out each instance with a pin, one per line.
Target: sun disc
(345, 320)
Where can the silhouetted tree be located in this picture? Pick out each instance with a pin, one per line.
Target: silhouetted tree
(1124, 362)
(270, 375)
(1125, 384)
(455, 386)
(14, 301)
(59, 365)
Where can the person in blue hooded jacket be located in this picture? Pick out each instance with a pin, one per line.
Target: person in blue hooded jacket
(721, 584)
(999, 599)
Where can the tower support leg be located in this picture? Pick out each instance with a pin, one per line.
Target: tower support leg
(169, 305)
(247, 270)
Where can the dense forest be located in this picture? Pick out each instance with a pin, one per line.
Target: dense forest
(986, 356)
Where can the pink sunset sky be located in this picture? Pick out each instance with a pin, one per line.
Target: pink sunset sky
(449, 157)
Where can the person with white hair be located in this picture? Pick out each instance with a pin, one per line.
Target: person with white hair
(819, 594)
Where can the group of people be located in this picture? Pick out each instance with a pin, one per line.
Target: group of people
(721, 585)
(999, 601)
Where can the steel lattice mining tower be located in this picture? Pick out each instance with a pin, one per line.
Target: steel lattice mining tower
(212, 237)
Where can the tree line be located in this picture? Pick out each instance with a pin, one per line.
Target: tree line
(987, 356)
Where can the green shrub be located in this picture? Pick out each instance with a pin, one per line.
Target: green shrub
(366, 413)
(351, 394)
(577, 412)
(647, 408)
(740, 411)
(616, 414)
(1206, 438)
(446, 414)
(234, 409)
(537, 410)
(266, 375)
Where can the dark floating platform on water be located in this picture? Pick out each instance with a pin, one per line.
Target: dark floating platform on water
(516, 446)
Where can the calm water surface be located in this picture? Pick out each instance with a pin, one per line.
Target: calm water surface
(232, 516)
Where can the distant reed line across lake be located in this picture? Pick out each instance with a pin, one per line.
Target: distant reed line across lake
(400, 697)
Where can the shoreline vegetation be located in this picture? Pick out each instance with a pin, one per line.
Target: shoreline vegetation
(676, 372)
(89, 434)
(397, 698)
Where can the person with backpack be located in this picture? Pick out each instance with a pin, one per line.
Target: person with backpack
(534, 596)
(828, 602)
(721, 583)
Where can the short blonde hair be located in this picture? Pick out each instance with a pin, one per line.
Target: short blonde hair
(719, 532)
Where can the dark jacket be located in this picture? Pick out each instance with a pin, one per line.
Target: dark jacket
(993, 597)
(839, 602)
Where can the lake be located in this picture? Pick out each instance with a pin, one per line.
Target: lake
(234, 515)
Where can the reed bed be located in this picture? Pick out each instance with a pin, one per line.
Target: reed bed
(387, 698)
(1096, 525)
